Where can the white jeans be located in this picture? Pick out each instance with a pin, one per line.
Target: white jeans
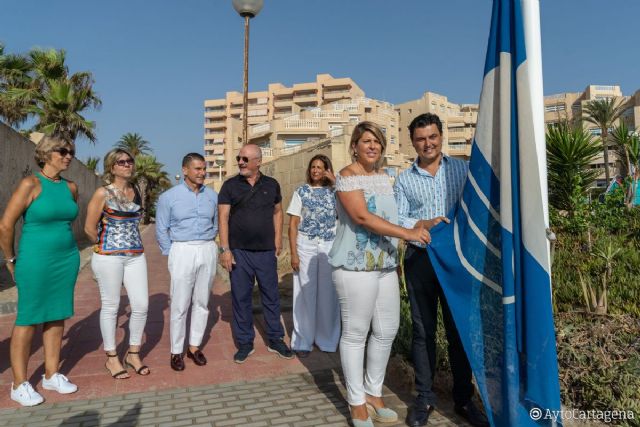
(316, 315)
(111, 272)
(367, 299)
(192, 266)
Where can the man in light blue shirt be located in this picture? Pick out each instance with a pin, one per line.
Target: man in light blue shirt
(186, 226)
(426, 192)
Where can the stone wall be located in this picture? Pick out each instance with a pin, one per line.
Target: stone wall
(290, 171)
(17, 161)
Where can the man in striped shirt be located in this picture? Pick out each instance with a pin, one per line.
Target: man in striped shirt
(425, 194)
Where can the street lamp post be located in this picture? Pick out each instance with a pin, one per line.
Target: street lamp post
(247, 9)
(220, 163)
(177, 177)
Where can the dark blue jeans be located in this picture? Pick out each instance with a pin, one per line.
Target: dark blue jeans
(249, 267)
(424, 293)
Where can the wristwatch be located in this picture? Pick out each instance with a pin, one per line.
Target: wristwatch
(223, 249)
(11, 260)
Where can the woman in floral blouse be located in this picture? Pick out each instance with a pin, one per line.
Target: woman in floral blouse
(312, 222)
(364, 256)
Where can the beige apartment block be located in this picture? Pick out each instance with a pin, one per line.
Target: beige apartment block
(315, 126)
(570, 107)
(458, 123)
(286, 120)
(223, 128)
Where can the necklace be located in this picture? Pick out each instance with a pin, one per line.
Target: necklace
(364, 171)
(52, 179)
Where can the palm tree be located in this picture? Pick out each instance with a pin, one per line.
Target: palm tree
(134, 143)
(92, 163)
(570, 151)
(628, 151)
(151, 179)
(604, 113)
(48, 92)
(14, 73)
(59, 107)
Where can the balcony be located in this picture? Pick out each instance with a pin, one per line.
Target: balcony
(324, 114)
(302, 124)
(215, 114)
(260, 129)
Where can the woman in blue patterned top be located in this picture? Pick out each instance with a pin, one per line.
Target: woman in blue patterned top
(312, 223)
(364, 257)
(113, 218)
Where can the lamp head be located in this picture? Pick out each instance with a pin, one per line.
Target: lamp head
(248, 8)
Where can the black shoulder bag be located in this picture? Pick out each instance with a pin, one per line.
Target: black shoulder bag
(247, 196)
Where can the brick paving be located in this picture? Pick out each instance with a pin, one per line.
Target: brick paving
(295, 400)
(264, 391)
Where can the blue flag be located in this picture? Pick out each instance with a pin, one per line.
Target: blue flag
(493, 259)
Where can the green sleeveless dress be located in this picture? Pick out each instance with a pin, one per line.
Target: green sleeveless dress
(48, 258)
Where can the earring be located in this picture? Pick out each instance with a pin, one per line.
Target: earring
(355, 155)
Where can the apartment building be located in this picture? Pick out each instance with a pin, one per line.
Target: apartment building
(223, 117)
(283, 120)
(570, 107)
(458, 123)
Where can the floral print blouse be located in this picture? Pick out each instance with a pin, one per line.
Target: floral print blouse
(316, 207)
(355, 248)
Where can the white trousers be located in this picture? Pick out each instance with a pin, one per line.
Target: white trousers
(367, 300)
(192, 266)
(111, 272)
(316, 313)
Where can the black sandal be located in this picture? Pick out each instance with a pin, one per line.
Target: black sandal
(116, 376)
(139, 370)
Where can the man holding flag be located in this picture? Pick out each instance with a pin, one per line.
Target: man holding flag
(425, 193)
(492, 260)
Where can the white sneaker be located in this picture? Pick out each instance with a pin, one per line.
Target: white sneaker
(26, 395)
(59, 383)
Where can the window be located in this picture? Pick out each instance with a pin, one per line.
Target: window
(293, 142)
(554, 108)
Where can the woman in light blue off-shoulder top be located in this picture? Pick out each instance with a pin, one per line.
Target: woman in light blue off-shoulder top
(364, 260)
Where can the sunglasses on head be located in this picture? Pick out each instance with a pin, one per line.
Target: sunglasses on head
(124, 162)
(65, 151)
(243, 158)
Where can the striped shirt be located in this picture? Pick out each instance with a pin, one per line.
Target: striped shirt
(420, 195)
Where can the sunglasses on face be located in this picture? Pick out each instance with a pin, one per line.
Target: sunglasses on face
(126, 162)
(243, 158)
(65, 151)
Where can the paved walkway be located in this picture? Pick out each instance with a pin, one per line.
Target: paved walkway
(264, 391)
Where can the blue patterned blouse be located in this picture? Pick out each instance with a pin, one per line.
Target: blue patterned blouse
(316, 207)
(355, 248)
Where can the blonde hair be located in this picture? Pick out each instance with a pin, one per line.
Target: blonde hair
(46, 146)
(359, 130)
(110, 160)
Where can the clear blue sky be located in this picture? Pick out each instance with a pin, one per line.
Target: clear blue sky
(156, 61)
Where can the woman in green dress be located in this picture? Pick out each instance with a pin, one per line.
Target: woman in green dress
(45, 268)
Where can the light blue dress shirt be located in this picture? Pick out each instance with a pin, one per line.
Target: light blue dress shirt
(420, 195)
(183, 215)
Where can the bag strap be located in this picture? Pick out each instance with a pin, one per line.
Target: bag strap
(246, 197)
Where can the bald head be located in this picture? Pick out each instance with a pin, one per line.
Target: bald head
(252, 150)
(249, 160)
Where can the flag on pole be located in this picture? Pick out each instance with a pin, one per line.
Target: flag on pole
(493, 259)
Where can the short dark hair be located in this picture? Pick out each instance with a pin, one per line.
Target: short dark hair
(186, 160)
(424, 120)
(327, 166)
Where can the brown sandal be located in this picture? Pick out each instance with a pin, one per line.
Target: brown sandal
(116, 376)
(140, 369)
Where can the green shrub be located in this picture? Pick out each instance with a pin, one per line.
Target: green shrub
(599, 360)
